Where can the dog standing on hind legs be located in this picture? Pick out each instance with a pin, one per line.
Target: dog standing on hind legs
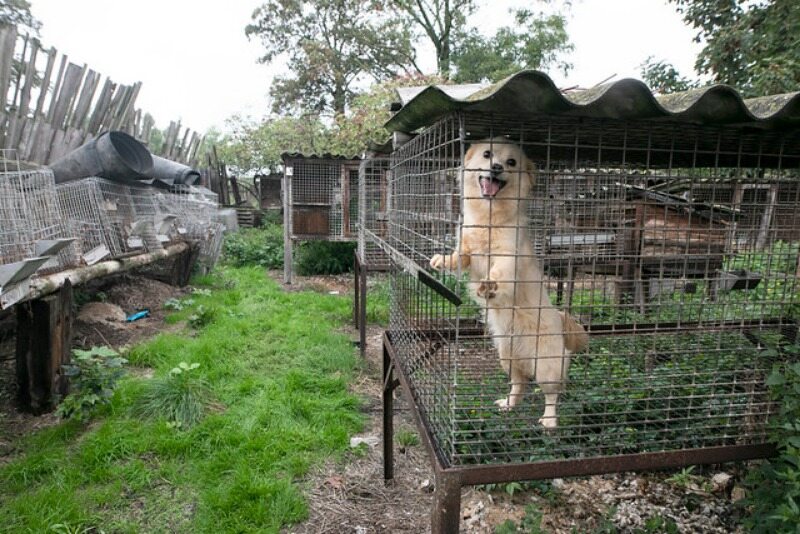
(534, 340)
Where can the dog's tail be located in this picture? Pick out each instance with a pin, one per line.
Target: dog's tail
(575, 337)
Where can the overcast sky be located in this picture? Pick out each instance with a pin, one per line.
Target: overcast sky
(196, 64)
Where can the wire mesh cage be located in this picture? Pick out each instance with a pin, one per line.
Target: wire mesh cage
(30, 219)
(373, 199)
(320, 201)
(111, 218)
(576, 295)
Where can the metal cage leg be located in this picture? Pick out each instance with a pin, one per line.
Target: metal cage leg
(389, 385)
(446, 512)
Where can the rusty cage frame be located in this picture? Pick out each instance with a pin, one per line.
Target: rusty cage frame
(672, 236)
(370, 256)
(320, 201)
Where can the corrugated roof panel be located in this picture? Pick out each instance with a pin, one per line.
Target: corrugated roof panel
(530, 93)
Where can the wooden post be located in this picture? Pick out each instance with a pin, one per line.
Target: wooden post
(44, 336)
(287, 227)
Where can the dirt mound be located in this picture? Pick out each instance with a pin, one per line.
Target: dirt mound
(100, 312)
(125, 295)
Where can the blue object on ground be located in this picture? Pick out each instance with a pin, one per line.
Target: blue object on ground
(138, 315)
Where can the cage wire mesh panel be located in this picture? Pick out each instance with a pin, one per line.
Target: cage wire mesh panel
(373, 202)
(30, 215)
(674, 245)
(323, 198)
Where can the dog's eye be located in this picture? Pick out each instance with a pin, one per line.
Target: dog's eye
(487, 154)
(511, 162)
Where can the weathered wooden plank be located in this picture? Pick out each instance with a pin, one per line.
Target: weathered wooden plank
(8, 41)
(11, 130)
(67, 94)
(178, 155)
(113, 107)
(57, 148)
(88, 90)
(128, 104)
(30, 75)
(103, 101)
(44, 89)
(44, 335)
(18, 80)
(56, 89)
(41, 146)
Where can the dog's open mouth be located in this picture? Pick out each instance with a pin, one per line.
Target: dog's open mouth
(490, 186)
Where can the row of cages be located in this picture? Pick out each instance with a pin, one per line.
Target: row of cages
(566, 289)
(47, 227)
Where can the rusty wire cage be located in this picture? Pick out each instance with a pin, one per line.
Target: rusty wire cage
(671, 239)
(30, 218)
(320, 201)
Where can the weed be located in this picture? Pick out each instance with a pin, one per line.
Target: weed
(531, 523)
(201, 317)
(774, 488)
(93, 375)
(177, 305)
(181, 397)
(406, 438)
(255, 246)
(325, 257)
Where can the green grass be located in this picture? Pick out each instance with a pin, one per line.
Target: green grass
(274, 363)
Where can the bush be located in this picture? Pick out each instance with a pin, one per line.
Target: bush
(774, 498)
(93, 375)
(255, 246)
(325, 257)
(181, 397)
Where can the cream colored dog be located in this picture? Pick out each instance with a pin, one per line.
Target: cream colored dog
(534, 339)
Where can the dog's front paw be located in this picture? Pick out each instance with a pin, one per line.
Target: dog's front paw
(438, 262)
(487, 289)
(503, 404)
(549, 422)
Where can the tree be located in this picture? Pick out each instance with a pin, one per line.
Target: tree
(331, 46)
(664, 78)
(256, 147)
(440, 21)
(535, 41)
(18, 13)
(750, 45)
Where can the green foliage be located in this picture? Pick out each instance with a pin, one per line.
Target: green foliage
(279, 363)
(93, 375)
(255, 246)
(18, 13)
(747, 44)
(774, 488)
(325, 257)
(202, 316)
(331, 45)
(663, 78)
(534, 41)
(378, 300)
(440, 21)
(531, 523)
(181, 397)
(406, 438)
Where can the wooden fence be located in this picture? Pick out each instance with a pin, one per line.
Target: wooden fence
(50, 106)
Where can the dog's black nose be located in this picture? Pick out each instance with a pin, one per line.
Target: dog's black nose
(497, 168)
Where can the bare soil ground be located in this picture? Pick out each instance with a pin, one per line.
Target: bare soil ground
(352, 496)
(97, 322)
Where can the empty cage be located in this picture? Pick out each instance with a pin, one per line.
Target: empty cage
(320, 201)
(30, 219)
(520, 218)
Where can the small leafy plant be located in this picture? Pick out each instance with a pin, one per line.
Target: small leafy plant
(201, 317)
(406, 438)
(93, 375)
(255, 246)
(774, 498)
(325, 257)
(181, 397)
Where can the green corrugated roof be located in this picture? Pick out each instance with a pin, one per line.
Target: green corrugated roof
(530, 93)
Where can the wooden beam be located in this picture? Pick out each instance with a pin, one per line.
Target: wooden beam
(44, 336)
